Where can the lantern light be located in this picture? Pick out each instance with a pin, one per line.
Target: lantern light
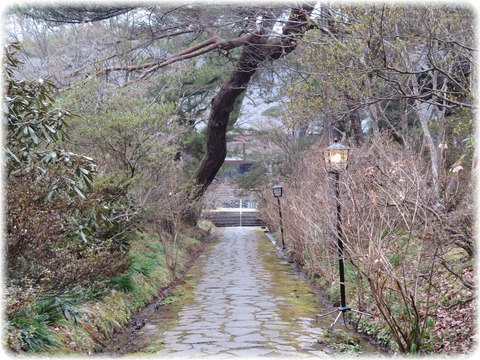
(336, 156)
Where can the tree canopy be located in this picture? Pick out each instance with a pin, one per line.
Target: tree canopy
(258, 39)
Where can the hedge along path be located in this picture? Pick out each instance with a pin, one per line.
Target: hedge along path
(240, 299)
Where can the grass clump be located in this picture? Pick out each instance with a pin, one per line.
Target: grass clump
(341, 342)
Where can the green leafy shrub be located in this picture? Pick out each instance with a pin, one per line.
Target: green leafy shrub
(62, 231)
(33, 323)
(65, 306)
(35, 334)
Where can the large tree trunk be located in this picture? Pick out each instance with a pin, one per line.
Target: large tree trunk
(355, 120)
(222, 105)
(258, 49)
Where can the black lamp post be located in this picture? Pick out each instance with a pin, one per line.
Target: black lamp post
(278, 192)
(336, 160)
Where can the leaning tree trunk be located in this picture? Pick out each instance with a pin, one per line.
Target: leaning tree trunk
(256, 50)
(221, 107)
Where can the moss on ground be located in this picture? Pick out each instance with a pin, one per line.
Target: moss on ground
(301, 300)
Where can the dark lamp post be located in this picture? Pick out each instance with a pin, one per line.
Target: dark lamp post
(278, 192)
(336, 160)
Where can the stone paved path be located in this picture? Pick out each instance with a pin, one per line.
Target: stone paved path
(236, 310)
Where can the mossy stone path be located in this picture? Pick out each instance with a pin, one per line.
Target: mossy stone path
(240, 299)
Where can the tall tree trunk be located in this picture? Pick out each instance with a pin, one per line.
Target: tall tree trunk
(355, 119)
(424, 114)
(327, 130)
(258, 49)
(404, 120)
(221, 107)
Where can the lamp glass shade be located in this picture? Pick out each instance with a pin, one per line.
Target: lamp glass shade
(336, 156)
(277, 190)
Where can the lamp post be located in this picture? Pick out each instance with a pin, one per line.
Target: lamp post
(336, 160)
(278, 192)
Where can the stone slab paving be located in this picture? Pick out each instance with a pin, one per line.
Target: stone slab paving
(235, 312)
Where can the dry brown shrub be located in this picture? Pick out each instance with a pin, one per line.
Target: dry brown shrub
(396, 231)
